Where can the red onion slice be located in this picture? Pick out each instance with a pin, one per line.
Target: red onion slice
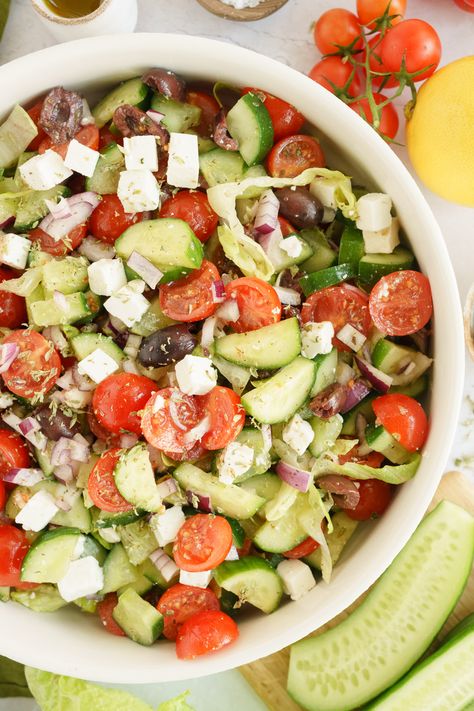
(12, 421)
(199, 501)
(346, 490)
(130, 366)
(155, 116)
(288, 296)
(360, 424)
(80, 206)
(357, 390)
(55, 335)
(8, 353)
(150, 274)
(29, 424)
(229, 311)
(94, 249)
(381, 381)
(66, 380)
(218, 291)
(297, 478)
(64, 472)
(24, 477)
(60, 300)
(164, 564)
(81, 380)
(197, 432)
(266, 218)
(61, 452)
(167, 487)
(208, 332)
(128, 440)
(60, 209)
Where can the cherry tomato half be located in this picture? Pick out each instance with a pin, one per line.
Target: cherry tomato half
(404, 418)
(101, 484)
(227, 417)
(118, 399)
(370, 10)
(87, 135)
(14, 453)
(388, 119)
(60, 247)
(109, 219)
(414, 42)
(12, 307)
(202, 543)
(180, 602)
(209, 109)
(168, 416)
(333, 72)
(258, 302)
(372, 459)
(13, 548)
(290, 156)
(400, 303)
(337, 27)
(193, 207)
(205, 632)
(285, 118)
(308, 546)
(105, 609)
(375, 496)
(36, 368)
(190, 299)
(108, 136)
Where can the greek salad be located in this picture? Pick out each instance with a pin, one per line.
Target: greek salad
(212, 353)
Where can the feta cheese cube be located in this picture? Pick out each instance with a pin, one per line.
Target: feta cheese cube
(233, 554)
(128, 304)
(81, 159)
(233, 461)
(166, 525)
(83, 577)
(183, 161)
(373, 211)
(14, 250)
(197, 580)
(138, 190)
(316, 338)
(98, 365)
(351, 337)
(298, 434)
(292, 246)
(44, 171)
(297, 578)
(195, 375)
(37, 512)
(106, 276)
(382, 241)
(140, 152)
(6, 399)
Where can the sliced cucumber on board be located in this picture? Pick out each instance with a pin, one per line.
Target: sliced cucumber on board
(253, 580)
(268, 347)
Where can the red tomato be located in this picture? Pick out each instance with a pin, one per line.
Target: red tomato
(12, 307)
(196, 452)
(335, 28)
(259, 304)
(369, 10)
(414, 41)
(101, 484)
(190, 299)
(205, 632)
(388, 119)
(13, 548)
(14, 453)
(375, 496)
(400, 303)
(334, 72)
(113, 440)
(286, 227)
(109, 219)
(202, 543)
(467, 5)
(60, 247)
(341, 305)
(37, 367)
(285, 118)
(118, 399)
(290, 156)
(180, 602)
(404, 418)
(169, 415)
(105, 609)
(376, 65)
(34, 114)
(106, 137)
(87, 135)
(372, 459)
(209, 108)
(2, 495)
(227, 416)
(308, 546)
(193, 207)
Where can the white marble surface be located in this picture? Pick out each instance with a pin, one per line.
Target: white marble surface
(286, 36)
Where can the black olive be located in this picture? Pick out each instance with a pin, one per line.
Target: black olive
(56, 424)
(301, 208)
(167, 346)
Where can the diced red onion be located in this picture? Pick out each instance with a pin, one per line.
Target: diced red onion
(81, 380)
(167, 487)
(61, 452)
(381, 381)
(202, 500)
(117, 325)
(344, 373)
(61, 502)
(357, 390)
(23, 477)
(164, 564)
(64, 472)
(30, 429)
(99, 446)
(288, 296)
(130, 366)
(346, 490)
(94, 249)
(60, 300)
(266, 431)
(145, 269)
(8, 353)
(66, 380)
(128, 440)
(12, 421)
(297, 478)
(360, 424)
(81, 439)
(155, 116)
(79, 451)
(229, 311)
(132, 346)
(76, 399)
(57, 338)
(208, 331)
(351, 337)
(29, 424)
(7, 222)
(173, 410)
(266, 218)
(197, 432)
(80, 206)
(218, 291)
(60, 209)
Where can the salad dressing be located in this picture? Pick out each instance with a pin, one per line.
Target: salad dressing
(72, 8)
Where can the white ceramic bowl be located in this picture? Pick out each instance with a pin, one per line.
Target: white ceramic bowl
(73, 643)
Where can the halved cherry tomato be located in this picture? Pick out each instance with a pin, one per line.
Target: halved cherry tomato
(227, 417)
(62, 246)
(37, 366)
(3, 495)
(285, 118)
(388, 119)
(34, 114)
(259, 304)
(333, 72)
(400, 303)
(109, 219)
(14, 453)
(113, 440)
(337, 27)
(205, 632)
(13, 548)
(101, 484)
(202, 543)
(414, 44)
(193, 207)
(372, 459)
(168, 416)
(196, 452)
(286, 227)
(106, 137)
(404, 418)
(341, 305)
(209, 108)
(105, 609)
(308, 546)
(118, 399)
(190, 299)
(370, 10)
(180, 602)
(12, 307)
(87, 135)
(375, 496)
(290, 156)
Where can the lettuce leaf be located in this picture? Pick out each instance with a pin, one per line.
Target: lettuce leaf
(392, 474)
(12, 679)
(26, 284)
(311, 520)
(177, 704)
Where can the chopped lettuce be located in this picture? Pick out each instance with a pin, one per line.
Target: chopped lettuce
(311, 520)
(392, 474)
(26, 284)
(177, 704)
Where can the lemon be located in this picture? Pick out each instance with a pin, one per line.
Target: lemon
(440, 133)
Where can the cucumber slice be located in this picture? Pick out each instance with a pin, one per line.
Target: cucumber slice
(86, 343)
(286, 532)
(107, 172)
(220, 166)
(351, 247)
(374, 266)
(327, 277)
(118, 571)
(350, 664)
(16, 134)
(31, 207)
(382, 441)
(151, 573)
(267, 347)
(228, 499)
(44, 598)
(394, 359)
(141, 585)
(139, 620)
(153, 320)
(178, 116)
(49, 313)
(325, 433)
(66, 275)
(323, 254)
(106, 519)
(253, 580)
(133, 92)
(281, 259)
(326, 365)
(249, 123)
(283, 394)
(138, 540)
(261, 459)
(343, 528)
(265, 485)
(135, 479)
(48, 558)
(165, 242)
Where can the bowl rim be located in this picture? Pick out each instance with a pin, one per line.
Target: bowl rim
(295, 620)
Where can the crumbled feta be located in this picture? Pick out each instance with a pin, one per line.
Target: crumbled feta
(110, 534)
(316, 338)
(298, 434)
(83, 577)
(128, 304)
(44, 171)
(140, 152)
(14, 250)
(98, 365)
(197, 580)
(382, 241)
(242, 4)
(233, 554)
(106, 276)
(196, 375)
(138, 190)
(297, 578)
(233, 461)
(351, 337)
(166, 525)
(6, 399)
(292, 246)
(81, 159)
(37, 512)
(183, 161)
(373, 211)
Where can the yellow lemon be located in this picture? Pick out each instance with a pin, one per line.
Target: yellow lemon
(440, 133)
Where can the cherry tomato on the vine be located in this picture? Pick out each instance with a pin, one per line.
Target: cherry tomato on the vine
(414, 43)
(335, 72)
(370, 10)
(335, 28)
(389, 118)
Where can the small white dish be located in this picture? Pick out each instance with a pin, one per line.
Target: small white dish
(110, 17)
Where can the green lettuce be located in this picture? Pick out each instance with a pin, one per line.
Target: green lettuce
(26, 284)
(390, 473)
(12, 679)
(177, 704)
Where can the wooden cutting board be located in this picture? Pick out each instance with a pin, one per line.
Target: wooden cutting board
(268, 676)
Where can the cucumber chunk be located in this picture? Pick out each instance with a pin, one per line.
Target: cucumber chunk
(135, 479)
(396, 361)
(105, 178)
(86, 343)
(49, 313)
(350, 664)
(66, 275)
(31, 207)
(16, 133)
(351, 247)
(268, 347)
(326, 365)
(382, 441)
(44, 598)
(133, 92)
(365, 409)
(48, 558)
(264, 485)
(138, 540)
(253, 580)
(249, 123)
(286, 532)
(325, 433)
(373, 267)
(118, 571)
(139, 620)
(327, 277)
(220, 166)
(106, 519)
(323, 254)
(178, 116)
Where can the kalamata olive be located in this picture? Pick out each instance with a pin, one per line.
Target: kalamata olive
(301, 208)
(166, 346)
(131, 121)
(221, 134)
(165, 82)
(61, 114)
(55, 423)
(329, 401)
